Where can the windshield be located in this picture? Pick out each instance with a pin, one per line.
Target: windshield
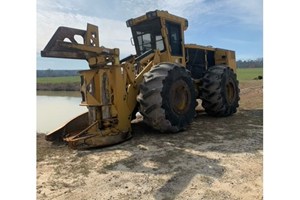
(147, 36)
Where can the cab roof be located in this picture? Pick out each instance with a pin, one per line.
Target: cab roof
(157, 14)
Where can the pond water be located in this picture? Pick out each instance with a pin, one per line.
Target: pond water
(54, 108)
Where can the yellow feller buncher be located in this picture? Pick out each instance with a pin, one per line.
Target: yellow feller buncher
(162, 81)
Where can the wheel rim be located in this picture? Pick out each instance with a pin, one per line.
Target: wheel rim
(180, 97)
(230, 94)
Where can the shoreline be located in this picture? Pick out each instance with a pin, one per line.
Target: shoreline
(75, 86)
(58, 86)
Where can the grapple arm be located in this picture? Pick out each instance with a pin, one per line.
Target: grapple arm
(79, 44)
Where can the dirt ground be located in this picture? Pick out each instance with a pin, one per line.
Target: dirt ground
(216, 158)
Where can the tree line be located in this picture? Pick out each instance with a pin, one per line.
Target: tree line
(257, 63)
(56, 73)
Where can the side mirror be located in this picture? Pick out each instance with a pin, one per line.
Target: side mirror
(132, 41)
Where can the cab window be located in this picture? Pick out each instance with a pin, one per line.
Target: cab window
(175, 38)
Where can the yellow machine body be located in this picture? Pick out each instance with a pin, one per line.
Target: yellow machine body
(110, 87)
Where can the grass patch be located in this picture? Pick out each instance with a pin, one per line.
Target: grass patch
(56, 80)
(249, 73)
(64, 83)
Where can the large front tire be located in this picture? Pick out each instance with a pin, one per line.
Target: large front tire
(167, 98)
(220, 91)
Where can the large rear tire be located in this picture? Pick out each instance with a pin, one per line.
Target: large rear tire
(220, 91)
(167, 98)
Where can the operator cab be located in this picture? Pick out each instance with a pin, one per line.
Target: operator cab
(159, 30)
(147, 36)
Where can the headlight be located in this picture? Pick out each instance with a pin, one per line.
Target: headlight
(129, 22)
(151, 14)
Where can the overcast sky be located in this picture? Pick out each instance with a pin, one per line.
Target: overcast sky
(229, 24)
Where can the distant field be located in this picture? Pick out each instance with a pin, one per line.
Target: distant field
(57, 80)
(249, 73)
(243, 74)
